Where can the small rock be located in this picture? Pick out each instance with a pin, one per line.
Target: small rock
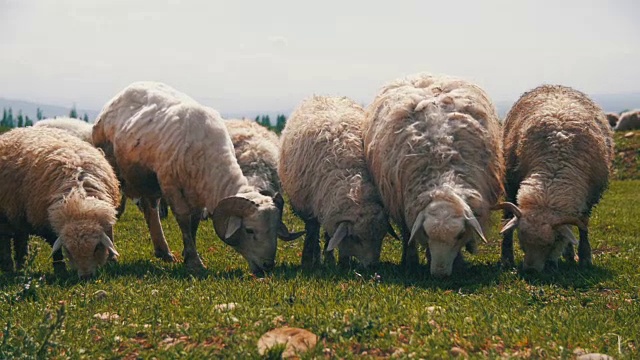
(106, 316)
(629, 134)
(399, 352)
(594, 356)
(225, 307)
(456, 351)
(100, 295)
(579, 351)
(432, 309)
(296, 341)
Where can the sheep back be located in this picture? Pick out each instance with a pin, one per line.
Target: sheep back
(257, 150)
(323, 170)
(427, 130)
(629, 120)
(76, 127)
(560, 141)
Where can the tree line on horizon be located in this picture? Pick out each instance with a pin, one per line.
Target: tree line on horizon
(10, 121)
(265, 121)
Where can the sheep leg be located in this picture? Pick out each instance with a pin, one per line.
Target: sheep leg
(121, 208)
(410, 258)
(21, 247)
(150, 211)
(507, 244)
(569, 253)
(584, 249)
(6, 261)
(311, 249)
(189, 225)
(329, 257)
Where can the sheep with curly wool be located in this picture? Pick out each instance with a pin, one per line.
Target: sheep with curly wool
(165, 144)
(558, 150)
(257, 150)
(433, 146)
(324, 173)
(61, 188)
(83, 130)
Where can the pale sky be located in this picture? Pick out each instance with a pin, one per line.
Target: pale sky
(268, 55)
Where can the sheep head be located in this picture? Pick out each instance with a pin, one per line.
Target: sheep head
(445, 226)
(82, 224)
(543, 235)
(251, 225)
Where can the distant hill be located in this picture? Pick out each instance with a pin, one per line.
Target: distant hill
(30, 108)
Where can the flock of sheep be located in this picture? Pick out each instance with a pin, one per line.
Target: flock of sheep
(429, 153)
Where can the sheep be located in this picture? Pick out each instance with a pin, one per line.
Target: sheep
(56, 186)
(323, 171)
(613, 119)
(83, 130)
(433, 146)
(558, 150)
(165, 144)
(257, 150)
(76, 127)
(629, 120)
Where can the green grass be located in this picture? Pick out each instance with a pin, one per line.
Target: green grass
(488, 312)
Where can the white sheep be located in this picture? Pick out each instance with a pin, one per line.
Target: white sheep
(558, 150)
(613, 119)
(61, 188)
(257, 150)
(324, 173)
(76, 127)
(165, 144)
(432, 144)
(629, 120)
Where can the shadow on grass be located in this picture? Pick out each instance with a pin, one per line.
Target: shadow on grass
(569, 276)
(469, 279)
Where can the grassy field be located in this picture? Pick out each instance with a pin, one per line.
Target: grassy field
(143, 308)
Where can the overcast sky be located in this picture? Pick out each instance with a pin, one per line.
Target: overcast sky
(268, 55)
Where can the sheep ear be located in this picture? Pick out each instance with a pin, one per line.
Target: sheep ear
(57, 245)
(418, 227)
(473, 221)
(104, 239)
(565, 231)
(285, 235)
(341, 232)
(512, 224)
(233, 224)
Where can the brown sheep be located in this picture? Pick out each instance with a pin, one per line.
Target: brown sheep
(61, 188)
(558, 150)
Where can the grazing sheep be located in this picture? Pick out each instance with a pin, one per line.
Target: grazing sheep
(76, 127)
(257, 150)
(61, 188)
(629, 120)
(323, 170)
(613, 119)
(165, 144)
(432, 143)
(558, 149)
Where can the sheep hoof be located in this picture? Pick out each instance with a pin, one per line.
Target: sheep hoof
(507, 263)
(165, 256)
(194, 264)
(587, 262)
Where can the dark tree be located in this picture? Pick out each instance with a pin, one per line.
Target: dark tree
(39, 114)
(20, 119)
(85, 117)
(27, 121)
(73, 113)
(281, 121)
